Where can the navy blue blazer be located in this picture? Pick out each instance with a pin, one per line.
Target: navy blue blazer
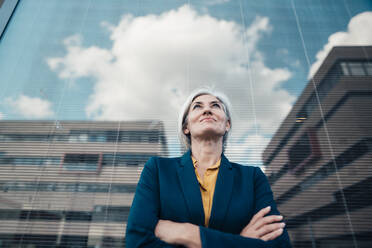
(168, 189)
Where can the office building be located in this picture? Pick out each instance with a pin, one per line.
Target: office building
(71, 183)
(319, 162)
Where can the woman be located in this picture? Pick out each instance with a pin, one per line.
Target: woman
(201, 199)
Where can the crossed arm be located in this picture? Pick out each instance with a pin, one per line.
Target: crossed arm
(144, 229)
(186, 234)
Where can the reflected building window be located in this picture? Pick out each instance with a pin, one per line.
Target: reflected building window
(67, 187)
(78, 216)
(306, 150)
(74, 241)
(118, 214)
(345, 69)
(356, 69)
(345, 159)
(122, 159)
(82, 162)
(342, 68)
(300, 151)
(8, 160)
(110, 213)
(368, 67)
(83, 136)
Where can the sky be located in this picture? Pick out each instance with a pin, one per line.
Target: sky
(139, 60)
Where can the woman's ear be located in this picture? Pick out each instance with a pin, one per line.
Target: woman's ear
(186, 131)
(228, 126)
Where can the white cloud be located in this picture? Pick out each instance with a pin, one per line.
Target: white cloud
(156, 60)
(249, 150)
(358, 34)
(30, 107)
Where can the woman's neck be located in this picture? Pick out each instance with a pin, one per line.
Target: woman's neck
(206, 152)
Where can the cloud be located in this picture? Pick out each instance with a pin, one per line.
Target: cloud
(156, 60)
(249, 150)
(358, 34)
(30, 107)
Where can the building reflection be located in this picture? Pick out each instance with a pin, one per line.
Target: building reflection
(70, 184)
(319, 161)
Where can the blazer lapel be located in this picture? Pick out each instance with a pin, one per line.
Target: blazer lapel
(190, 188)
(222, 194)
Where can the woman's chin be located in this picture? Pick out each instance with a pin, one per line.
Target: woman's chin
(210, 133)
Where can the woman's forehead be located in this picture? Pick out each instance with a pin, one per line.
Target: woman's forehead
(205, 98)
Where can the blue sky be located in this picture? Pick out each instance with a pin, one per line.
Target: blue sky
(125, 60)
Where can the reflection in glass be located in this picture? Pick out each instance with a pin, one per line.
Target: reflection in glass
(78, 79)
(320, 184)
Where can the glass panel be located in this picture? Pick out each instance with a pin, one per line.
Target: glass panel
(345, 68)
(356, 69)
(299, 152)
(90, 90)
(81, 162)
(368, 67)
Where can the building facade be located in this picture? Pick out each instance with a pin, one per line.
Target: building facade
(319, 162)
(71, 183)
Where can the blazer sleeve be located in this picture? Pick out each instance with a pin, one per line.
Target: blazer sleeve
(263, 198)
(144, 212)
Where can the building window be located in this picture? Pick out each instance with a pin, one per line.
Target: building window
(300, 151)
(110, 213)
(345, 159)
(97, 137)
(303, 152)
(99, 214)
(82, 162)
(368, 67)
(67, 187)
(40, 215)
(120, 159)
(78, 216)
(344, 68)
(78, 137)
(74, 241)
(7, 160)
(83, 136)
(356, 69)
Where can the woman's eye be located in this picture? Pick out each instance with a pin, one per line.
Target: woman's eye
(196, 106)
(216, 105)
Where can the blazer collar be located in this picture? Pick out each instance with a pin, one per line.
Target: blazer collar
(222, 194)
(191, 191)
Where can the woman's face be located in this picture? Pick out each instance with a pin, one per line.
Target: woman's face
(206, 118)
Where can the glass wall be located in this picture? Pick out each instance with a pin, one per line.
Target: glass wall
(91, 89)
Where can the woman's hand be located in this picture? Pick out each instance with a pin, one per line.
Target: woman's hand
(178, 233)
(265, 228)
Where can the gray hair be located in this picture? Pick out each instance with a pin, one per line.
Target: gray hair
(183, 115)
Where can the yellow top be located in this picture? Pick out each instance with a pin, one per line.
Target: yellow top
(207, 185)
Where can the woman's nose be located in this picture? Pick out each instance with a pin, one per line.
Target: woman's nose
(207, 110)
